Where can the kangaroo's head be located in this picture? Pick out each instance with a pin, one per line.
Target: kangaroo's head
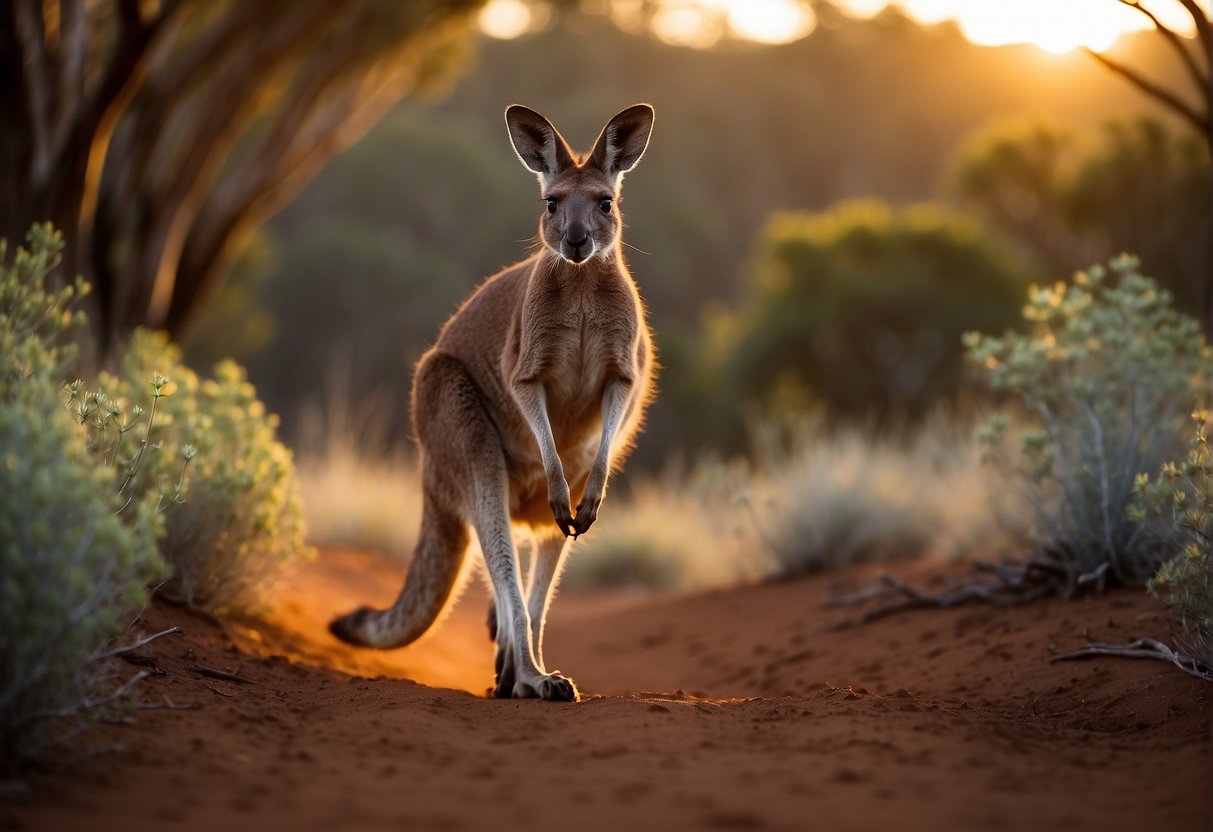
(581, 213)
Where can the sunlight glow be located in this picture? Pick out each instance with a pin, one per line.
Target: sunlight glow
(505, 19)
(1051, 25)
(865, 8)
(688, 24)
(770, 21)
(702, 23)
(1054, 25)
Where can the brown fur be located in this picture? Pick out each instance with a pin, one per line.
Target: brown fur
(532, 394)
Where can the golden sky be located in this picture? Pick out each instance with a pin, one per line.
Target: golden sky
(1054, 25)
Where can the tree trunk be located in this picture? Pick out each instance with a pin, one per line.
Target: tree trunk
(126, 123)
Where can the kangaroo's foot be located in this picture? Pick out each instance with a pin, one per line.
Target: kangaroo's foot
(504, 664)
(550, 686)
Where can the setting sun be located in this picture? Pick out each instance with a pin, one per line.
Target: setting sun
(1056, 27)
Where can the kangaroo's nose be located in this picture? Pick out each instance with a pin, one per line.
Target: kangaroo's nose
(576, 233)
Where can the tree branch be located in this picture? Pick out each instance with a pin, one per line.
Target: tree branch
(309, 132)
(31, 38)
(1164, 96)
(73, 50)
(1143, 648)
(314, 125)
(1177, 43)
(222, 116)
(128, 648)
(1204, 29)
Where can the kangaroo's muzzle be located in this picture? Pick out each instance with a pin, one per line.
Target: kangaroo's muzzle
(576, 244)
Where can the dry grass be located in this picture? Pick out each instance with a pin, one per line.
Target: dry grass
(825, 499)
(365, 502)
(679, 532)
(354, 492)
(852, 496)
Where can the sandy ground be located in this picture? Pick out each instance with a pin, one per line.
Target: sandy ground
(734, 709)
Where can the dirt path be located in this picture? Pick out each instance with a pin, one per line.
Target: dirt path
(930, 720)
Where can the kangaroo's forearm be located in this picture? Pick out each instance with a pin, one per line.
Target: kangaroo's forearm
(616, 403)
(531, 398)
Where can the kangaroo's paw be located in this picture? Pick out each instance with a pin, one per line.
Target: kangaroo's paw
(553, 687)
(587, 513)
(563, 516)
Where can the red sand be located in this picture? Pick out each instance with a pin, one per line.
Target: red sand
(926, 720)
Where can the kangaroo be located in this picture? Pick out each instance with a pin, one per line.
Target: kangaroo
(531, 396)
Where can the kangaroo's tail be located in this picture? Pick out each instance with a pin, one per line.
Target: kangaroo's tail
(429, 589)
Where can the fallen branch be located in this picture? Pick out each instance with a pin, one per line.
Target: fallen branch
(144, 660)
(991, 583)
(1097, 576)
(169, 705)
(1143, 648)
(130, 648)
(223, 675)
(89, 704)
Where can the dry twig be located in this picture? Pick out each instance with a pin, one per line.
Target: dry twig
(1143, 648)
(129, 648)
(169, 705)
(144, 660)
(223, 675)
(1000, 584)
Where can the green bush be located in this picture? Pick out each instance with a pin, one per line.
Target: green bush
(865, 306)
(238, 522)
(1185, 580)
(70, 566)
(1104, 381)
(1069, 199)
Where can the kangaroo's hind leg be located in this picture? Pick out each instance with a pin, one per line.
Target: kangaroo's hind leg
(514, 636)
(463, 462)
(547, 561)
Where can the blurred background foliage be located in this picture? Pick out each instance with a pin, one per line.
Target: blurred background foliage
(861, 306)
(757, 265)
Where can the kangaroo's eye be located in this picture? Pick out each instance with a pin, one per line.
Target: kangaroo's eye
(551, 205)
(605, 205)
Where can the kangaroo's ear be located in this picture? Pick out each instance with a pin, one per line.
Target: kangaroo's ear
(622, 142)
(538, 144)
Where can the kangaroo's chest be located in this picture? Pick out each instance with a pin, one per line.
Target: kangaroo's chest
(578, 363)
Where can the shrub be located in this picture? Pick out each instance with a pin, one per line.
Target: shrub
(865, 306)
(1103, 379)
(1185, 580)
(1068, 199)
(812, 500)
(845, 501)
(238, 523)
(70, 567)
(829, 499)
